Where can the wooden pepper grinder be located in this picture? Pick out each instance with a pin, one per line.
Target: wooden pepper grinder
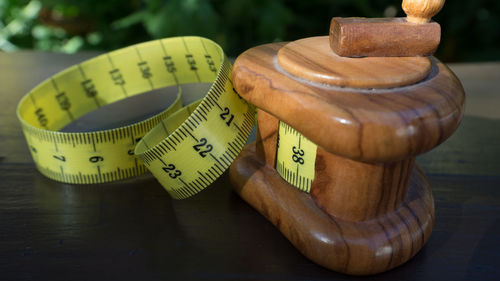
(371, 99)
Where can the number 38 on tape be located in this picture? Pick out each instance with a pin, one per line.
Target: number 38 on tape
(185, 147)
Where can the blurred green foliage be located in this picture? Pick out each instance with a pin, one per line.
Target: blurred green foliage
(470, 27)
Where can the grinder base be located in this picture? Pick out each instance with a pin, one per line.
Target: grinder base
(358, 248)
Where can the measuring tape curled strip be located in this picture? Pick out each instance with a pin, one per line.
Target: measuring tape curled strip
(186, 150)
(107, 155)
(206, 138)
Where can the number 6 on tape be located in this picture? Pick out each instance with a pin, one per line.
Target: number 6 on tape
(186, 152)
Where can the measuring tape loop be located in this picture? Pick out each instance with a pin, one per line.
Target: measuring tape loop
(190, 149)
(185, 147)
(108, 155)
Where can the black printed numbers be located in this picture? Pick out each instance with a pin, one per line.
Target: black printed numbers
(191, 62)
(297, 155)
(226, 115)
(95, 159)
(89, 88)
(145, 70)
(117, 77)
(41, 117)
(202, 147)
(172, 171)
(169, 64)
(63, 101)
(210, 62)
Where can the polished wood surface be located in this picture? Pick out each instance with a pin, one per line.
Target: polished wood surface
(412, 36)
(360, 195)
(359, 219)
(132, 230)
(344, 188)
(368, 125)
(312, 59)
(383, 37)
(351, 247)
(355, 190)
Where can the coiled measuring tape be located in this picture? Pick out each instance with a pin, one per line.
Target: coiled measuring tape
(185, 147)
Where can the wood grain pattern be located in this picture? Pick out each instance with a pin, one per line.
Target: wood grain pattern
(369, 209)
(383, 125)
(312, 59)
(383, 37)
(357, 191)
(356, 248)
(344, 188)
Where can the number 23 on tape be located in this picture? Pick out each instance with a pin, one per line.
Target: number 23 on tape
(185, 147)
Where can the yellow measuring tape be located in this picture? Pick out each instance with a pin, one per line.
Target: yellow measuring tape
(185, 147)
(295, 158)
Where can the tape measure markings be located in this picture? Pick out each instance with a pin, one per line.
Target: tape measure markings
(88, 87)
(295, 157)
(195, 139)
(66, 96)
(169, 65)
(116, 76)
(144, 68)
(190, 60)
(62, 99)
(186, 148)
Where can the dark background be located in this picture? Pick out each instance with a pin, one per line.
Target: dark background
(470, 28)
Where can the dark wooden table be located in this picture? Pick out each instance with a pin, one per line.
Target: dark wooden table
(133, 230)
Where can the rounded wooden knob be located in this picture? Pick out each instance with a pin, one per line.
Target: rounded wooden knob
(421, 11)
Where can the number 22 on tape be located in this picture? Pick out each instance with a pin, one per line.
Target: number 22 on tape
(188, 148)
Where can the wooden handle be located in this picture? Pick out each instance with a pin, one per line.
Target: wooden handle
(421, 11)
